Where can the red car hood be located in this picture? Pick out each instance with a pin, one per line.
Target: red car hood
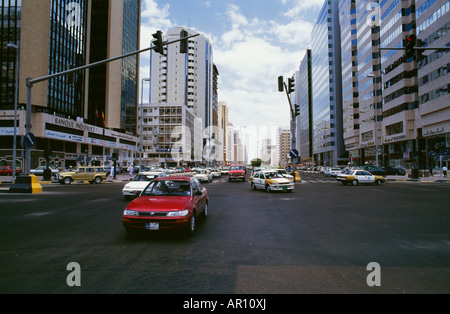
(159, 203)
(236, 171)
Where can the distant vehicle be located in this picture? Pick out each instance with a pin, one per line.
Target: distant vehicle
(270, 181)
(236, 172)
(395, 171)
(332, 172)
(285, 174)
(39, 171)
(170, 203)
(137, 185)
(375, 171)
(356, 177)
(93, 174)
(7, 171)
(203, 175)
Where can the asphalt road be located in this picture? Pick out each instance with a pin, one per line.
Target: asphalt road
(318, 239)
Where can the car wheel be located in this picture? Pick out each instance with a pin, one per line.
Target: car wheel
(205, 212)
(192, 225)
(378, 182)
(268, 188)
(355, 182)
(98, 180)
(67, 180)
(252, 185)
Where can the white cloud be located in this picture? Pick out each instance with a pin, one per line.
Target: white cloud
(250, 56)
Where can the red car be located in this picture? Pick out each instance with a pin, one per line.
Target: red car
(236, 172)
(7, 171)
(167, 203)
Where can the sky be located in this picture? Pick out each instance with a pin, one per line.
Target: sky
(254, 42)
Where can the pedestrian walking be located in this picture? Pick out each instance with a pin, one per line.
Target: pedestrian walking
(112, 171)
(431, 171)
(444, 170)
(131, 169)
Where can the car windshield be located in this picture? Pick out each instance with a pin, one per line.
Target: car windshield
(282, 172)
(271, 175)
(236, 168)
(142, 178)
(168, 188)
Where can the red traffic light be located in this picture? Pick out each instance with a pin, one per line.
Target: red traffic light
(411, 38)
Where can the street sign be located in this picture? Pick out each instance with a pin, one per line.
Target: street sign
(30, 140)
(294, 153)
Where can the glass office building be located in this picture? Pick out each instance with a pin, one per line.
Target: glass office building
(326, 82)
(82, 117)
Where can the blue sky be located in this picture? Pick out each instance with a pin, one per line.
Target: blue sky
(254, 41)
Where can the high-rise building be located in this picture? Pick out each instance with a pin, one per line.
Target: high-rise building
(87, 115)
(433, 28)
(305, 102)
(350, 94)
(327, 87)
(283, 144)
(187, 81)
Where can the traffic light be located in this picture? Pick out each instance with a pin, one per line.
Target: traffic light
(158, 42)
(280, 84)
(409, 45)
(296, 110)
(291, 85)
(419, 52)
(184, 42)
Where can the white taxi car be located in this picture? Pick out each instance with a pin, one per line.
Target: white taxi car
(271, 181)
(202, 175)
(138, 184)
(359, 176)
(216, 173)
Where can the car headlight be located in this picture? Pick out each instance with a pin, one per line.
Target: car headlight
(127, 212)
(178, 213)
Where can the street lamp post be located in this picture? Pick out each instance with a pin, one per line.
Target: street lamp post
(16, 47)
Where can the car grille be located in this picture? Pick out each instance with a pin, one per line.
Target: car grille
(152, 214)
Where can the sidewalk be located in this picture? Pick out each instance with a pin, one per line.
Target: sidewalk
(122, 177)
(421, 179)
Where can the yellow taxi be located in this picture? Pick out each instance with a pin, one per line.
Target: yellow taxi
(359, 176)
(271, 180)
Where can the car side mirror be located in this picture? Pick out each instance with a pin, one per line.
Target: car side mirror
(197, 192)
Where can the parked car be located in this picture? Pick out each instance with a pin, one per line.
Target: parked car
(137, 185)
(39, 171)
(270, 181)
(170, 203)
(374, 170)
(236, 172)
(395, 171)
(356, 177)
(7, 171)
(93, 174)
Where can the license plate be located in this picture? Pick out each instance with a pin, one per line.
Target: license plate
(152, 226)
(284, 187)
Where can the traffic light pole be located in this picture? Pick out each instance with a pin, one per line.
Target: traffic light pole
(30, 82)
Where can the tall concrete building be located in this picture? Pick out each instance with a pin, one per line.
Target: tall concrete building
(84, 116)
(187, 81)
(326, 84)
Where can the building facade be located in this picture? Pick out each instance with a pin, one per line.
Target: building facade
(82, 117)
(326, 84)
(433, 28)
(185, 80)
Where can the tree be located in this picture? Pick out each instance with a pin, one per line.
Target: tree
(256, 162)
